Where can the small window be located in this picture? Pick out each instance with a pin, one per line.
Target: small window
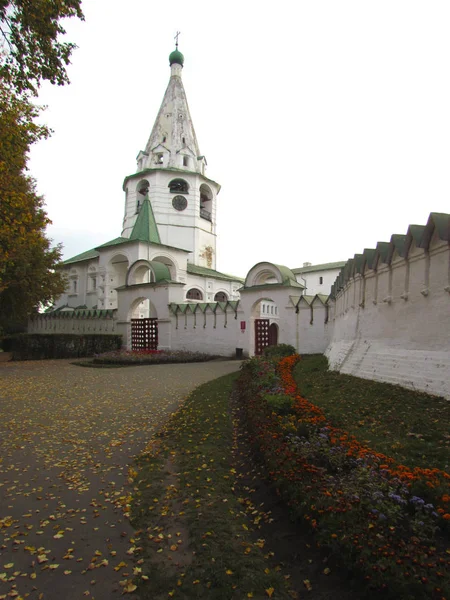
(220, 297)
(271, 310)
(194, 294)
(94, 283)
(184, 140)
(276, 310)
(159, 158)
(320, 280)
(185, 161)
(164, 139)
(74, 286)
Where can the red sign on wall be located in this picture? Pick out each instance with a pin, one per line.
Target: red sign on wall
(242, 325)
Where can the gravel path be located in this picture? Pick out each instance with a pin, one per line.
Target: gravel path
(67, 437)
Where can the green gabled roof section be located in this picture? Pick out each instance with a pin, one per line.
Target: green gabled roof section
(382, 250)
(88, 255)
(420, 234)
(307, 298)
(203, 306)
(321, 267)
(416, 232)
(398, 242)
(116, 241)
(145, 228)
(442, 224)
(369, 255)
(323, 298)
(295, 300)
(205, 272)
(86, 313)
(233, 304)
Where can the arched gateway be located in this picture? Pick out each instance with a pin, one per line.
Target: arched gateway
(144, 325)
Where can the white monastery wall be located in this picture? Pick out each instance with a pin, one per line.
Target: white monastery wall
(392, 323)
(213, 333)
(70, 324)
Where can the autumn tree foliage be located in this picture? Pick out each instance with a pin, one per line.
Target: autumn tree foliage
(31, 51)
(34, 51)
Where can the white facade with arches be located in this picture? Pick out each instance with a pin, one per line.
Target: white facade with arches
(387, 316)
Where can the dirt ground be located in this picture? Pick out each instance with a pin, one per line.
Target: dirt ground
(67, 437)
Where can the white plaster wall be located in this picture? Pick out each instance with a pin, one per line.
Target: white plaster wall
(209, 287)
(213, 334)
(311, 280)
(387, 337)
(313, 338)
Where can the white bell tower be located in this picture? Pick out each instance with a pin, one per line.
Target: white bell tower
(171, 171)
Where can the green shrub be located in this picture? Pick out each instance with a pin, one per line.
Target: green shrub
(279, 351)
(37, 346)
(282, 404)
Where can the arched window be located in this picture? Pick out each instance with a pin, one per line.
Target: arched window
(220, 297)
(205, 202)
(141, 192)
(194, 294)
(179, 185)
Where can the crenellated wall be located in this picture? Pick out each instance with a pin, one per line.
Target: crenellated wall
(390, 311)
(79, 321)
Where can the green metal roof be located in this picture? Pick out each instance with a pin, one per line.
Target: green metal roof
(398, 243)
(203, 306)
(323, 297)
(383, 250)
(160, 270)
(145, 228)
(416, 232)
(88, 255)
(176, 57)
(205, 272)
(442, 224)
(114, 242)
(321, 267)
(79, 313)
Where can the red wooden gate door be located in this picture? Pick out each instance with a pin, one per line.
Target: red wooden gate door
(273, 335)
(261, 335)
(144, 334)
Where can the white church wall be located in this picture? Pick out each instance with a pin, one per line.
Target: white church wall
(209, 287)
(399, 332)
(312, 281)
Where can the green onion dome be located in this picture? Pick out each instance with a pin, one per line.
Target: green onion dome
(176, 58)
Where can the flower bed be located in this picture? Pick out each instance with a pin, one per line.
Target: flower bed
(149, 357)
(383, 520)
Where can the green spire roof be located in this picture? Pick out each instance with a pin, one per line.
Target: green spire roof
(176, 57)
(145, 228)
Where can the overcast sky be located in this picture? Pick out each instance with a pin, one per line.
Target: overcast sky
(327, 123)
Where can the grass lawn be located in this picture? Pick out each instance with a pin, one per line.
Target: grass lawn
(197, 532)
(411, 427)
